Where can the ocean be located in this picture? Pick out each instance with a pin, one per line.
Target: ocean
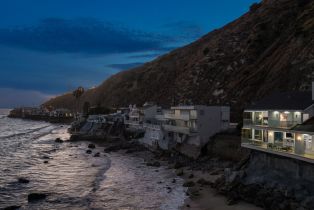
(73, 179)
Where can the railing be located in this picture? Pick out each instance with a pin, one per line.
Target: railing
(131, 122)
(282, 124)
(255, 122)
(152, 126)
(179, 129)
(177, 117)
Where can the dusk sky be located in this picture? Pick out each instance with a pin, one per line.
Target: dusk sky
(48, 47)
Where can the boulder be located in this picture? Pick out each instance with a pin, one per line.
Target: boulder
(154, 164)
(58, 140)
(46, 161)
(89, 151)
(202, 181)
(97, 154)
(32, 197)
(174, 180)
(23, 180)
(188, 184)
(46, 157)
(193, 191)
(178, 165)
(179, 172)
(12, 207)
(308, 202)
(91, 146)
(191, 176)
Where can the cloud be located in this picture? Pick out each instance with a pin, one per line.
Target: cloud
(184, 30)
(125, 66)
(88, 36)
(10, 98)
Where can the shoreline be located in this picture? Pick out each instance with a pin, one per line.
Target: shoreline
(198, 179)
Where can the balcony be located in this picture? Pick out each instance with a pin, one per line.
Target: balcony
(255, 122)
(184, 117)
(282, 124)
(179, 129)
(152, 126)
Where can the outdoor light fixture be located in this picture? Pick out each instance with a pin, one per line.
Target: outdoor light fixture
(286, 112)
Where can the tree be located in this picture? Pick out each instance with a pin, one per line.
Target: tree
(77, 94)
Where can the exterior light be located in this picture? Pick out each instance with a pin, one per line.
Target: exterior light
(286, 112)
(299, 138)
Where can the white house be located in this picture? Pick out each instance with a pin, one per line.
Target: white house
(190, 127)
(282, 124)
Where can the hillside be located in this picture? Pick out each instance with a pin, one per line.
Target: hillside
(269, 48)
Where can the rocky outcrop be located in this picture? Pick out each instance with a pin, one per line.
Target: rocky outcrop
(32, 197)
(269, 181)
(269, 48)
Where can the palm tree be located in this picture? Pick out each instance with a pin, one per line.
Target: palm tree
(77, 94)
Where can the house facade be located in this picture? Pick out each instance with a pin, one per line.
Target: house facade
(282, 124)
(190, 127)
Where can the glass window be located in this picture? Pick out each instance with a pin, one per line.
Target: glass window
(278, 136)
(258, 134)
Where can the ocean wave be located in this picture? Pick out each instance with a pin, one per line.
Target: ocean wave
(27, 132)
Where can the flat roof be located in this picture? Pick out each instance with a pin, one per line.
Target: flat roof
(294, 100)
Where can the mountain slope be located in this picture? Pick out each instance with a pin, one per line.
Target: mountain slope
(269, 48)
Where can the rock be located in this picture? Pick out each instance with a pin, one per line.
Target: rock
(188, 205)
(11, 207)
(91, 146)
(32, 197)
(188, 184)
(202, 181)
(58, 140)
(46, 161)
(308, 202)
(174, 180)
(23, 180)
(216, 172)
(89, 151)
(178, 165)
(179, 172)
(154, 164)
(191, 176)
(231, 202)
(193, 191)
(97, 154)
(46, 157)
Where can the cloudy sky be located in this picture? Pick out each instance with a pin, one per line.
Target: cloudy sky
(48, 47)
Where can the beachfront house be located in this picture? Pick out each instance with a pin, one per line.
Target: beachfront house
(282, 124)
(190, 127)
(137, 115)
(154, 136)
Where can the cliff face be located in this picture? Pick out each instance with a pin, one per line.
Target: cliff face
(269, 48)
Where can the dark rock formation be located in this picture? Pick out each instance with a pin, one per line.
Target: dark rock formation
(23, 180)
(189, 184)
(32, 197)
(91, 146)
(12, 207)
(154, 164)
(58, 140)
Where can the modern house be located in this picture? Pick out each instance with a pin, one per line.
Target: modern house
(137, 116)
(190, 127)
(282, 124)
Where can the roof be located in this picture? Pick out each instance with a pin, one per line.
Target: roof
(307, 126)
(284, 101)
